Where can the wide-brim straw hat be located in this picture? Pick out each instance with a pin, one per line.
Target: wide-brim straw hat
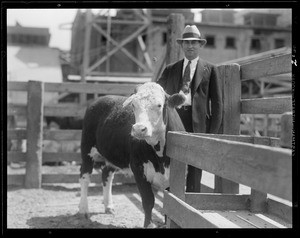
(191, 33)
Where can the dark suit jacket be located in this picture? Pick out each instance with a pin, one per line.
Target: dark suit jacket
(207, 103)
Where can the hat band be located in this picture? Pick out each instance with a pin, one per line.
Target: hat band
(190, 35)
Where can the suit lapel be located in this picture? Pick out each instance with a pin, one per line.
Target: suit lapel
(198, 75)
(178, 76)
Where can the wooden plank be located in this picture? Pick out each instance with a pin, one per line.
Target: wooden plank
(99, 88)
(258, 201)
(61, 156)
(62, 135)
(178, 178)
(16, 134)
(14, 156)
(260, 167)
(231, 85)
(61, 110)
(280, 210)
(74, 178)
(16, 86)
(183, 214)
(18, 179)
(57, 135)
(175, 26)
(102, 88)
(35, 109)
(217, 201)
(276, 105)
(258, 140)
(286, 135)
(16, 109)
(271, 66)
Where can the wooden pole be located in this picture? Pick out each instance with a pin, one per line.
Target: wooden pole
(35, 100)
(286, 135)
(86, 56)
(231, 85)
(175, 26)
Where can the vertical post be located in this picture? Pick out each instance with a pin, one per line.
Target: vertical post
(86, 56)
(231, 85)
(286, 134)
(175, 26)
(35, 109)
(258, 201)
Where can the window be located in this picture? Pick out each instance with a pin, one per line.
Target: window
(210, 41)
(279, 43)
(255, 44)
(230, 42)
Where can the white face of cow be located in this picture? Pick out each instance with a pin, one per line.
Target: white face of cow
(148, 105)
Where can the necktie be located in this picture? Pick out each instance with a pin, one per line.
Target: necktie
(186, 78)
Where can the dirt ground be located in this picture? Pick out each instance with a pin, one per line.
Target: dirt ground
(56, 206)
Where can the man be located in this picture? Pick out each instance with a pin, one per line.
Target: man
(198, 80)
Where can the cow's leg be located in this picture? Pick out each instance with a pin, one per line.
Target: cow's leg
(146, 193)
(86, 170)
(107, 179)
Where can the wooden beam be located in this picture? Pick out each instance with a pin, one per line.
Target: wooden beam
(267, 67)
(183, 214)
(125, 51)
(113, 51)
(257, 140)
(272, 105)
(35, 110)
(260, 167)
(217, 201)
(86, 50)
(62, 135)
(231, 92)
(175, 26)
(280, 209)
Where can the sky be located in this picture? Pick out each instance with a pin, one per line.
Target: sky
(48, 18)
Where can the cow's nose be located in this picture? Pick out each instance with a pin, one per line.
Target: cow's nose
(139, 129)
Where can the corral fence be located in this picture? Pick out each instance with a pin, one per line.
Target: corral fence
(34, 134)
(256, 162)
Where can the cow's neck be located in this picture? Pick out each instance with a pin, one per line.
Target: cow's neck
(158, 138)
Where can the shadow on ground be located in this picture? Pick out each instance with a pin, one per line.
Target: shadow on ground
(66, 221)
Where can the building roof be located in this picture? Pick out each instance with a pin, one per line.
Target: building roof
(28, 30)
(26, 63)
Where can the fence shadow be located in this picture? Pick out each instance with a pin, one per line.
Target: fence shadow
(67, 221)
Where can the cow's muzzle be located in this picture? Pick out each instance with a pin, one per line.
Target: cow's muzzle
(140, 131)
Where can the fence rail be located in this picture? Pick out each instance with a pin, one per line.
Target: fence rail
(257, 162)
(34, 157)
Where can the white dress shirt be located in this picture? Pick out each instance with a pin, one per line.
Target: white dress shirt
(188, 101)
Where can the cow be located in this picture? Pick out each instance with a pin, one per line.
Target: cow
(129, 133)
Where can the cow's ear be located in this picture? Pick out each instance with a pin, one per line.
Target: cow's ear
(129, 100)
(176, 100)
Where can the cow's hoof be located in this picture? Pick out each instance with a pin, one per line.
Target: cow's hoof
(151, 225)
(109, 210)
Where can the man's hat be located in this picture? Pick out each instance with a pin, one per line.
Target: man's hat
(191, 33)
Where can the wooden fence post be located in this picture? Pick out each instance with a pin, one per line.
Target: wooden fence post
(286, 134)
(175, 26)
(33, 176)
(231, 85)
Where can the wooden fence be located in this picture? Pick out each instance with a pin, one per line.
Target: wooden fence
(257, 162)
(35, 111)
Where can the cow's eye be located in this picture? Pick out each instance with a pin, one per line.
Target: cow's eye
(159, 105)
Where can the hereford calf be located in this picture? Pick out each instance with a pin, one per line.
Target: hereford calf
(130, 134)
